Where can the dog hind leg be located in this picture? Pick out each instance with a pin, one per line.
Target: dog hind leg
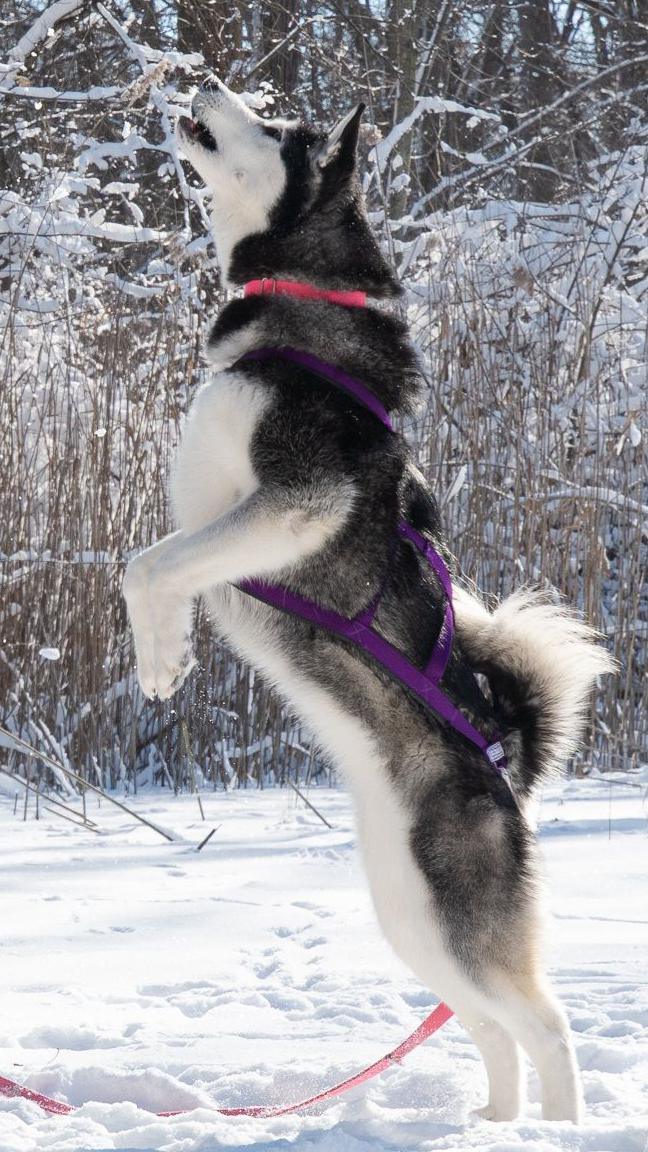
(505, 1003)
(501, 1056)
(504, 1012)
(535, 1018)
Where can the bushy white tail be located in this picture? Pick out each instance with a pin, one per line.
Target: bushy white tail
(541, 662)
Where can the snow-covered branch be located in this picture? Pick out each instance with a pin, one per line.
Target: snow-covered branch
(42, 27)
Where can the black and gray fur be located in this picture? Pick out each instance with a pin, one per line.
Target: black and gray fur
(461, 834)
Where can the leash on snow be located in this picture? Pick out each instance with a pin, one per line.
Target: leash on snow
(431, 1024)
(11, 1089)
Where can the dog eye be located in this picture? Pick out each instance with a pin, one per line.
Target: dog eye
(274, 132)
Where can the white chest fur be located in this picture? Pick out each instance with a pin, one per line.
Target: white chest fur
(213, 471)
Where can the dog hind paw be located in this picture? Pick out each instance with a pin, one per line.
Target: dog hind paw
(498, 1113)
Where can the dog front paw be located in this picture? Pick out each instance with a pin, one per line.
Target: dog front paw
(162, 626)
(137, 594)
(172, 666)
(165, 664)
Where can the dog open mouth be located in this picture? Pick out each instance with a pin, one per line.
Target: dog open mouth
(198, 132)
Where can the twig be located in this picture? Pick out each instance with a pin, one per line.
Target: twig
(277, 47)
(41, 28)
(22, 746)
(27, 791)
(93, 95)
(576, 90)
(59, 803)
(207, 838)
(617, 783)
(143, 55)
(79, 823)
(184, 731)
(309, 805)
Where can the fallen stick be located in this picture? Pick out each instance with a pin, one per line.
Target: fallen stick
(20, 745)
(79, 823)
(49, 800)
(207, 838)
(309, 805)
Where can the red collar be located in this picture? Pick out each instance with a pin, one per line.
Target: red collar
(267, 287)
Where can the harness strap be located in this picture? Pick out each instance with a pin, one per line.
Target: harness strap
(424, 684)
(355, 630)
(331, 372)
(438, 661)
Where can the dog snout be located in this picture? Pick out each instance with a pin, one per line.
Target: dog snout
(209, 95)
(212, 87)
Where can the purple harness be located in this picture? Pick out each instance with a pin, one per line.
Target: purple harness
(359, 629)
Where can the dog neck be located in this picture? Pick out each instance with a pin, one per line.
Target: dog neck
(366, 343)
(269, 287)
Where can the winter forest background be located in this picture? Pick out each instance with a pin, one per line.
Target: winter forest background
(505, 151)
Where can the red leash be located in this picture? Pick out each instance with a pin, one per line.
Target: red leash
(431, 1024)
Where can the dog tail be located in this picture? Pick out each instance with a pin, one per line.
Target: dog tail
(541, 662)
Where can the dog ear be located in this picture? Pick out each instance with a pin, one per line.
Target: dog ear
(339, 149)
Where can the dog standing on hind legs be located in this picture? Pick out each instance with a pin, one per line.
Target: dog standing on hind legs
(283, 476)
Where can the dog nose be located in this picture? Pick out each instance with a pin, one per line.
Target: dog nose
(211, 86)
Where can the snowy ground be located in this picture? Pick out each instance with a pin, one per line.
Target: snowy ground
(252, 972)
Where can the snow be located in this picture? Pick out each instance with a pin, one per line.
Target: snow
(41, 28)
(30, 92)
(139, 975)
(50, 653)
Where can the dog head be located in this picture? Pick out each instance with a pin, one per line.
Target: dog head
(286, 198)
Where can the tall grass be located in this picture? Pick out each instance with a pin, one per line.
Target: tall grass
(531, 428)
(533, 333)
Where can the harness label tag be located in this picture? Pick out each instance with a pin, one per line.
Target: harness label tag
(495, 752)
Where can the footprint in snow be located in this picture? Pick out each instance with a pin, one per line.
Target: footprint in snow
(69, 1039)
(323, 913)
(263, 971)
(621, 1028)
(314, 942)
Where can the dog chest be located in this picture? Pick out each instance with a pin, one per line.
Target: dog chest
(213, 470)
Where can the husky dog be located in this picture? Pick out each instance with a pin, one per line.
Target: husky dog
(283, 476)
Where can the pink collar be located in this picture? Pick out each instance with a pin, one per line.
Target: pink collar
(267, 287)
